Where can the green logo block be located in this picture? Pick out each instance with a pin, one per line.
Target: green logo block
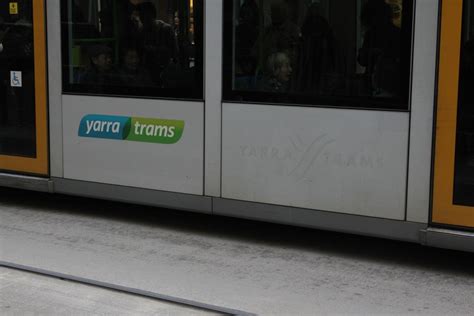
(155, 130)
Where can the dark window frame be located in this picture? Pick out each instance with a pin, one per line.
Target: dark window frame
(353, 102)
(194, 94)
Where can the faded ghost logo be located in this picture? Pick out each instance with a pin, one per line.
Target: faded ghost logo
(138, 129)
(299, 156)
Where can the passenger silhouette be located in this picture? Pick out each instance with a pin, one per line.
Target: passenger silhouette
(381, 49)
(156, 40)
(184, 39)
(318, 64)
(282, 35)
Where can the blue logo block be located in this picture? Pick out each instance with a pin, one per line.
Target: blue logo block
(105, 126)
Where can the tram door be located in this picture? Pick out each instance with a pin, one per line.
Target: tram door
(23, 114)
(23, 120)
(454, 161)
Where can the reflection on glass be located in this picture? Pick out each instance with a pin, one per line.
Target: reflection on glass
(17, 84)
(464, 172)
(302, 49)
(133, 47)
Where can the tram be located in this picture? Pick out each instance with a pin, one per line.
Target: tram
(353, 116)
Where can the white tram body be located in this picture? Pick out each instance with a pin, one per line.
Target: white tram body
(340, 165)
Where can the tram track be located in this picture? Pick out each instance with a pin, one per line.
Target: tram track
(126, 290)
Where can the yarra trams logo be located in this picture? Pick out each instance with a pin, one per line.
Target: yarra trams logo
(138, 129)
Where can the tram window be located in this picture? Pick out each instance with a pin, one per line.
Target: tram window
(464, 170)
(351, 53)
(143, 48)
(17, 81)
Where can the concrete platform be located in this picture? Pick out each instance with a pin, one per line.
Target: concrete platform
(23, 293)
(255, 267)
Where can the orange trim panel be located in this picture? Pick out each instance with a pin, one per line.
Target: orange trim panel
(444, 211)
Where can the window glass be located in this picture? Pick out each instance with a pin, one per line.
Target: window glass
(352, 53)
(133, 47)
(464, 171)
(17, 79)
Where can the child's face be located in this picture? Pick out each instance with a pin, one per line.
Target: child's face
(284, 72)
(103, 62)
(131, 60)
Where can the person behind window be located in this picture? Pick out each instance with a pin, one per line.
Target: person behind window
(282, 35)
(318, 63)
(278, 73)
(380, 52)
(130, 24)
(132, 73)
(125, 9)
(100, 71)
(184, 40)
(156, 40)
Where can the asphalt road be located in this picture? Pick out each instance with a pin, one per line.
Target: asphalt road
(256, 267)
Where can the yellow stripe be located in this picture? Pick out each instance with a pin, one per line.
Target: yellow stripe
(40, 164)
(444, 211)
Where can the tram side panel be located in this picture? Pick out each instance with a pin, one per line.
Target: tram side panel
(132, 101)
(138, 143)
(344, 161)
(324, 122)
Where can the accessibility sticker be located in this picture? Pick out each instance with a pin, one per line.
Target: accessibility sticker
(13, 8)
(16, 80)
(138, 129)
